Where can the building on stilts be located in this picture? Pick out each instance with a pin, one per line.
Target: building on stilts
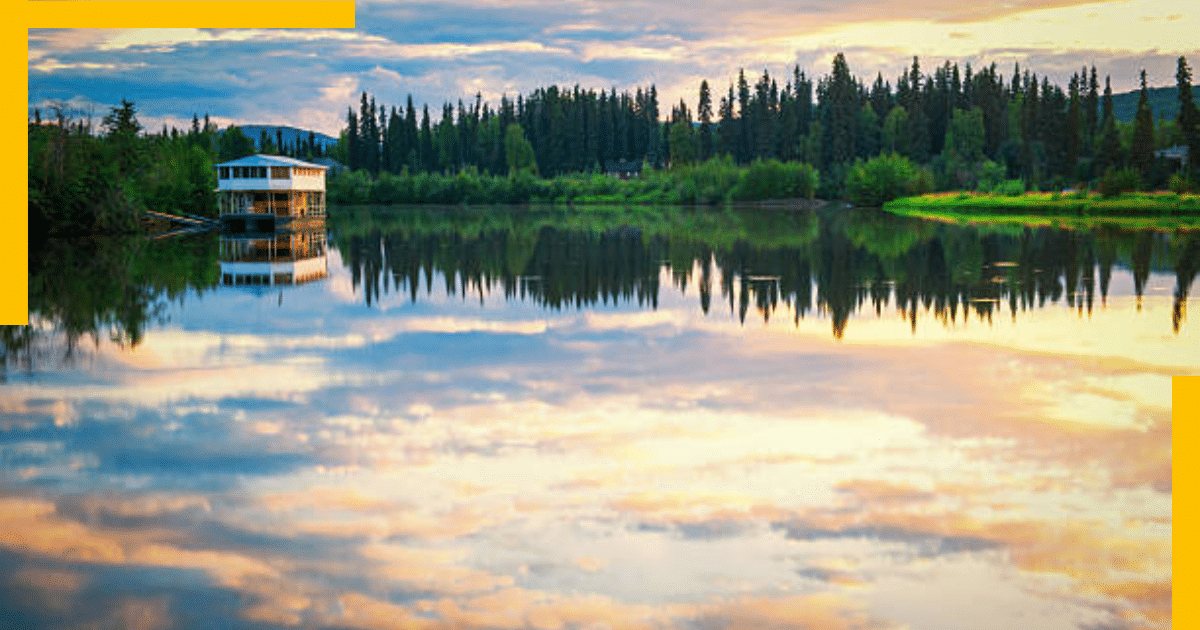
(261, 193)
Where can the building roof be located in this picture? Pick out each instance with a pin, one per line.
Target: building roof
(270, 160)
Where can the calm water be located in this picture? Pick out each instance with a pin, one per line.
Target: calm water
(528, 419)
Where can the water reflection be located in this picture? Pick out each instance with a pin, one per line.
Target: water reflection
(835, 263)
(286, 257)
(550, 432)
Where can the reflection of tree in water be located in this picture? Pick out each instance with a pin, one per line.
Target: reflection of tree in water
(1187, 264)
(107, 287)
(851, 261)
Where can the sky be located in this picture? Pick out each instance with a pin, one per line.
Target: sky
(450, 50)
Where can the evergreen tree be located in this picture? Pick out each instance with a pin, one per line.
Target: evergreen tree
(518, 152)
(1091, 113)
(727, 129)
(919, 145)
(1108, 154)
(1141, 151)
(121, 130)
(704, 111)
(804, 101)
(1188, 118)
(683, 142)
(352, 149)
(412, 156)
(264, 143)
(1073, 140)
(235, 144)
(840, 104)
(744, 142)
(428, 155)
(895, 131)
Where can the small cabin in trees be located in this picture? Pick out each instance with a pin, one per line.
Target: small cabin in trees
(261, 192)
(624, 169)
(1178, 153)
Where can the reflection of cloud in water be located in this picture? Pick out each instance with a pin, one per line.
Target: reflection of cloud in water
(635, 469)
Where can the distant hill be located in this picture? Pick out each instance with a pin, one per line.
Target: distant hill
(1164, 103)
(291, 134)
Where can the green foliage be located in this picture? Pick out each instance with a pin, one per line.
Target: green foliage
(895, 131)
(684, 143)
(964, 138)
(1119, 180)
(518, 152)
(1008, 188)
(1141, 150)
(884, 178)
(772, 179)
(234, 144)
(1179, 184)
(713, 181)
(81, 183)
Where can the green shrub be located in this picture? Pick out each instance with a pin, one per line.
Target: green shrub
(884, 178)
(1178, 183)
(1116, 181)
(1009, 188)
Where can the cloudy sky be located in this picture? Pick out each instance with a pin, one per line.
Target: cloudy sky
(448, 50)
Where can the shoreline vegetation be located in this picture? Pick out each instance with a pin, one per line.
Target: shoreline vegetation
(716, 181)
(836, 137)
(1152, 210)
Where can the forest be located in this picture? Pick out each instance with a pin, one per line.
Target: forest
(950, 129)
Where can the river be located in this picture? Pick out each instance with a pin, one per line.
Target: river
(645, 418)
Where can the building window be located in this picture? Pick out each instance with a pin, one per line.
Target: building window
(224, 170)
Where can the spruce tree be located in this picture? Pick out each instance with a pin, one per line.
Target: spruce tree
(352, 151)
(704, 111)
(1188, 118)
(840, 104)
(1141, 151)
(1091, 113)
(1108, 154)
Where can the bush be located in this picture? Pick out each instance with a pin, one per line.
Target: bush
(772, 179)
(989, 174)
(1179, 184)
(884, 178)
(1009, 188)
(1117, 181)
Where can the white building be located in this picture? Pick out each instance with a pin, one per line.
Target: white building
(282, 187)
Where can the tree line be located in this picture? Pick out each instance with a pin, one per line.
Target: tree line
(957, 123)
(86, 180)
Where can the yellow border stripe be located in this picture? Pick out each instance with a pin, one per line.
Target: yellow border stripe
(1185, 431)
(14, 229)
(191, 14)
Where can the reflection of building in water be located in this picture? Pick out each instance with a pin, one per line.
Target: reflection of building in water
(259, 192)
(281, 259)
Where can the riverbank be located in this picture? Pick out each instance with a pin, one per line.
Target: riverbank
(1154, 210)
(1153, 203)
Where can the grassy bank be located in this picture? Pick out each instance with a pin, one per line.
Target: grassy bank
(1154, 203)
(1155, 210)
